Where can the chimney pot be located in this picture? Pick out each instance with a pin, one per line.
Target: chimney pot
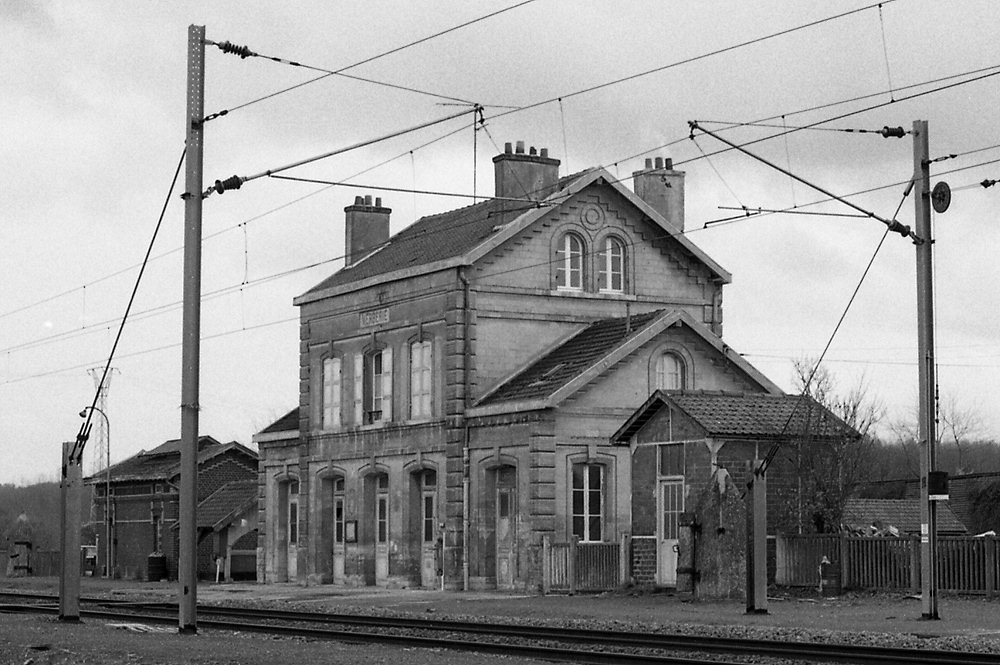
(368, 199)
(544, 152)
(378, 201)
(532, 151)
(649, 163)
(507, 148)
(659, 162)
(519, 148)
(359, 200)
(668, 164)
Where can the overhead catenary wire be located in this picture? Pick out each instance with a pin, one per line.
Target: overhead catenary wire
(245, 52)
(76, 452)
(683, 139)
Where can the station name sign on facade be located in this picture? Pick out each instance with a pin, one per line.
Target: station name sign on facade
(374, 317)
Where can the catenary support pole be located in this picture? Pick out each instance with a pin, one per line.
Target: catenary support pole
(188, 560)
(69, 570)
(927, 426)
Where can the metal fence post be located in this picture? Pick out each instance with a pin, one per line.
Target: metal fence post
(571, 564)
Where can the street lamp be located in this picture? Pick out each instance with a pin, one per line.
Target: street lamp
(107, 487)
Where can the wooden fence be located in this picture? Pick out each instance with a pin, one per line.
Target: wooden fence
(966, 564)
(574, 566)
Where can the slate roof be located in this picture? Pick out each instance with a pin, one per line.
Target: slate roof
(435, 238)
(553, 370)
(227, 503)
(286, 423)
(759, 416)
(163, 462)
(904, 514)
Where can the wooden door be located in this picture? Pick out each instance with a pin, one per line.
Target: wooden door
(382, 530)
(506, 528)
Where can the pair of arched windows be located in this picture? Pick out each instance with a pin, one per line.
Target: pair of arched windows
(571, 268)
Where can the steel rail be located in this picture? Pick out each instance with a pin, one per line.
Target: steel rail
(604, 638)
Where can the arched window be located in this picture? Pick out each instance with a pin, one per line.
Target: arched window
(569, 263)
(331, 393)
(420, 379)
(611, 266)
(670, 372)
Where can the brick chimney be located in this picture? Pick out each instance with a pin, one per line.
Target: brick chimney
(660, 186)
(367, 228)
(525, 176)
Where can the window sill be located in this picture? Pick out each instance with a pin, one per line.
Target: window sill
(600, 295)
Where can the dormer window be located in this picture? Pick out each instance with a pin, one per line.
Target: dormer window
(611, 266)
(569, 263)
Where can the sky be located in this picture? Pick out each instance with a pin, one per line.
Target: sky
(92, 100)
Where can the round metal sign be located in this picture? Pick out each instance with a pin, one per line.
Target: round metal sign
(941, 196)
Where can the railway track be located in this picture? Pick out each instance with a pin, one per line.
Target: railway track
(564, 644)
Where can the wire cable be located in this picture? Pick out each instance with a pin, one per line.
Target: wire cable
(245, 52)
(81, 438)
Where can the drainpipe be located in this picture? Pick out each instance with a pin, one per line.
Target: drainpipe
(465, 445)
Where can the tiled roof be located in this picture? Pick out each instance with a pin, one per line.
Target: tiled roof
(286, 423)
(567, 361)
(435, 238)
(163, 462)
(759, 415)
(227, 502)
(742, 415)
(904, 514)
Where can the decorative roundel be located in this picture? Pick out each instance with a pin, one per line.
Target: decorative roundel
(592, 216)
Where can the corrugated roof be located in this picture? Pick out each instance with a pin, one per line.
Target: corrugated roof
(226, 503)
(904, 514)
(552, 371)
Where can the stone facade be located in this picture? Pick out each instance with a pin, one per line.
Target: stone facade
(454, 468)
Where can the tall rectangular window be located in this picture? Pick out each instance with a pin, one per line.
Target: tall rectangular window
(420, 379)
(588, 501)
(672, 459)
(331, 393)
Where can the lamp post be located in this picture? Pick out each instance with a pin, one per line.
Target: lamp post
(107, 487)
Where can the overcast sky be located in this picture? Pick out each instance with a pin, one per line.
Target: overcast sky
(92, 99)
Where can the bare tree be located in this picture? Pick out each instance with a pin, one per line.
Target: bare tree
(958, 427)
(829, 471)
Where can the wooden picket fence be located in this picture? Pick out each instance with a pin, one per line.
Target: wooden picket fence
(573, 566)
(966, 564)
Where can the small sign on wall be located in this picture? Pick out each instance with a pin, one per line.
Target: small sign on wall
(351, 531)
(374, 317)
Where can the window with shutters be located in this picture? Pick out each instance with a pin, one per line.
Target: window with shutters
(420, 379)
(331, 393)
(569, 263)
(588, 501)
(611, 266)
(373, 387)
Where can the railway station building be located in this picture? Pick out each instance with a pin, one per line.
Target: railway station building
(461, 380)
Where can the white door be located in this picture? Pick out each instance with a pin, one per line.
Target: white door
(670, 504)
